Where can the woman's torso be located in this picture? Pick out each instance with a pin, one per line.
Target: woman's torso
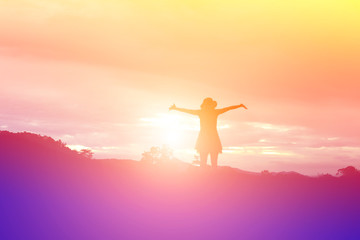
(208, 121)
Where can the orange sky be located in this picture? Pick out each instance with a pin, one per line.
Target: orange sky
(102, 74)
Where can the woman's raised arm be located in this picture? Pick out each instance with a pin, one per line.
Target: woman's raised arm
(189, 111)
(223, 110)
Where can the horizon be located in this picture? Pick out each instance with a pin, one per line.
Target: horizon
(79, 149)
(102, 75)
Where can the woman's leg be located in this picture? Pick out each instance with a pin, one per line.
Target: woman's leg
(203, 159)
(214, 158)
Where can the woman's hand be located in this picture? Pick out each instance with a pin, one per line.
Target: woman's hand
(172, 107)
(242, 105)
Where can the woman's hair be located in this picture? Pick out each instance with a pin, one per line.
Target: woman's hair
(208, 103)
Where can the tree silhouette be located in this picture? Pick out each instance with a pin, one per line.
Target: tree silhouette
(158, 155)
(87, 153)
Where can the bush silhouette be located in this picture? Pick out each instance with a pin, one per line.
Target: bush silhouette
(158, 155)
(349, 171)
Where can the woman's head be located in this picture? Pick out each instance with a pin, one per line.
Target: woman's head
(208, 103)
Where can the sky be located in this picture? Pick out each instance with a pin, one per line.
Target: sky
(102, 75)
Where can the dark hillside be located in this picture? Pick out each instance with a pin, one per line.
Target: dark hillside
(51, 192)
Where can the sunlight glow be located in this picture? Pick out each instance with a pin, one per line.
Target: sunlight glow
(171, 127)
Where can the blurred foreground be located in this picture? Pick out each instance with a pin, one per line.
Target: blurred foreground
(51, 192)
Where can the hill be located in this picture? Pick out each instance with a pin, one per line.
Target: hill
(51, 192)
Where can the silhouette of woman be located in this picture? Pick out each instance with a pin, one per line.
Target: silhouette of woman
(208, 141)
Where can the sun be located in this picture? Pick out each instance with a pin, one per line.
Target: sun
(171, 128)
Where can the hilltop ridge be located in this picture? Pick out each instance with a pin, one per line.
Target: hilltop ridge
(52, 192)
